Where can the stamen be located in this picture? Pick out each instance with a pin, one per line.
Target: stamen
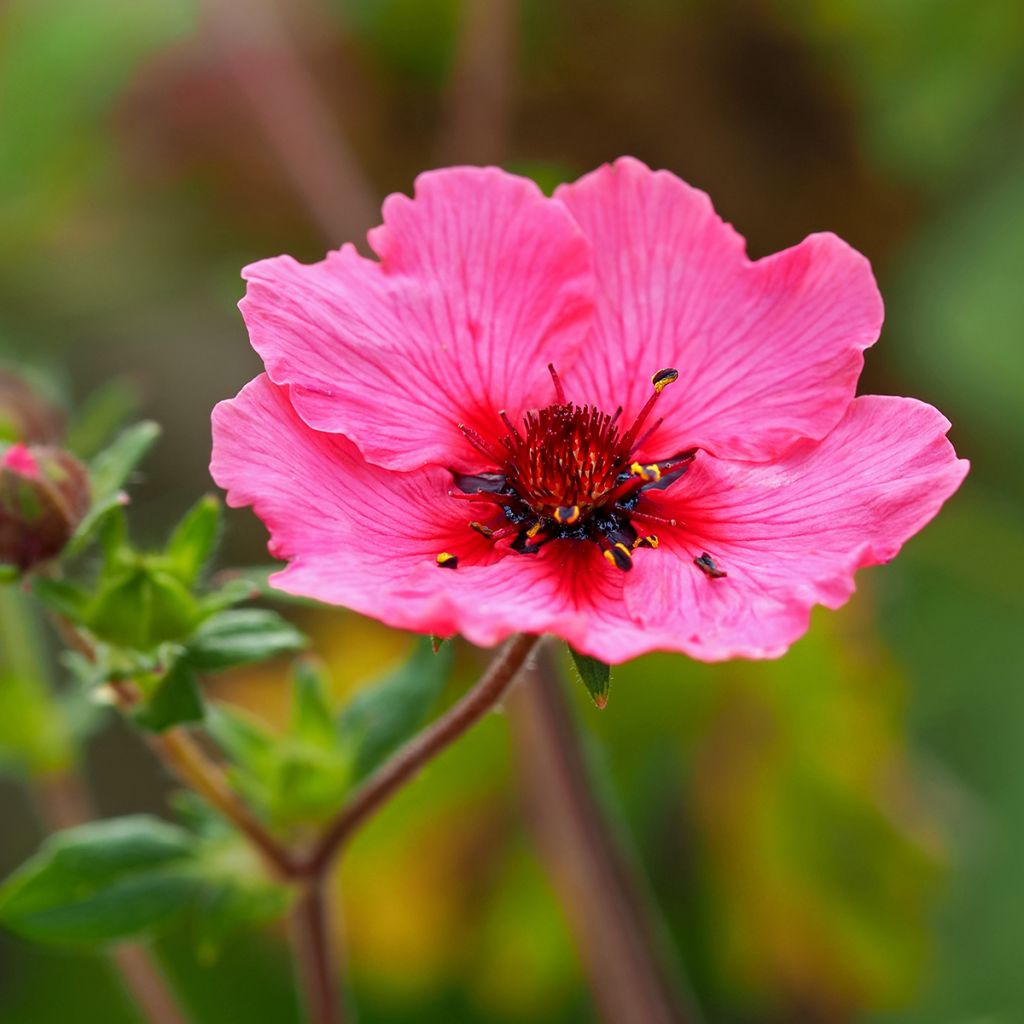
(509, 425)
(446, 560)
(650, 517)
(567, 514)
(650, 541)
(559, 390)
(482, 446)
(484, 531)
(660, 380)
(706, 564)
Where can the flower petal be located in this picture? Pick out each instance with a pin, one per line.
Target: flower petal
(767, 351)
(791, 534)
(482, 281)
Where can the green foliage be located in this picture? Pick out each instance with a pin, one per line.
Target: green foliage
(303, 775)
(106, 411)
(172, 698)
(194, 539)
(240, 637)
(103, 881)
(595, 675)
(383, 715)
(116, 879)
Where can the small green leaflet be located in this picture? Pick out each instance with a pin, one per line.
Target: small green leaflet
(595, 675)
(239, 637)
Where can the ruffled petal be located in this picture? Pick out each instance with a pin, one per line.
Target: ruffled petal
(791, 534)
(482, 281)
(768, 351)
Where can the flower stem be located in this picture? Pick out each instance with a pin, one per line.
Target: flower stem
(314, 961)
(405, 764)
(607, 908)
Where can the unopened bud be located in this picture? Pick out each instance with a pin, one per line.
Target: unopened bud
(44, 493)
(25, 415)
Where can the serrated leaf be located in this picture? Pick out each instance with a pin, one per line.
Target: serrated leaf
(175, 699)
(595, 675)
(240, 637)
(194, 538)
(312, 721)
(101, 882)
(385, 714)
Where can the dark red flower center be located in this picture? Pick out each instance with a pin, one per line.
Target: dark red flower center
(568, 473)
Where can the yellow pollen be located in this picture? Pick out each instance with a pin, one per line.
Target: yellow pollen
(649, 473)
(446, 560)
(567, 515)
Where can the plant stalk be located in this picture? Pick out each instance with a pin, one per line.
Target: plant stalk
(315, 963)
(408, 761)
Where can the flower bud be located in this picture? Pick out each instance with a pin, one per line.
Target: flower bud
(143, 606)
(44, 493)
(25, 415)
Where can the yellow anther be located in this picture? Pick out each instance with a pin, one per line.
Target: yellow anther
(446, 560)
(567, 514)
(535, 529)
(650, 473)
(663, 378)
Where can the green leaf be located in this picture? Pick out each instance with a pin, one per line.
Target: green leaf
(175, 699)
(595, 675)
(240, 637)
(312, 721)
(101, 882)
(108, 472)
(383, 715)
(106, 410)
(194, 539)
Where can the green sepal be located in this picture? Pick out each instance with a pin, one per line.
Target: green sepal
(240, 637)
(383, 715)
(102, 882)
(595, 675)
(108, 472)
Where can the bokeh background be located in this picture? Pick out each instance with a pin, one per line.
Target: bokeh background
(836, 836)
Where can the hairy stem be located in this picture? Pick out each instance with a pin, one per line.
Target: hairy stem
(607, 909)
(407, 762)
(315, 964)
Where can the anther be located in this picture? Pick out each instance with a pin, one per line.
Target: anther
(480, 528)
(706, 564)
(446, 560)
(650, 541)
(663, 378)
(567, 514)
(619, 556)
(535, 529)
(650, 473)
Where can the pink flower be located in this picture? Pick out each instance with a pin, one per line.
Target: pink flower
(590, 415)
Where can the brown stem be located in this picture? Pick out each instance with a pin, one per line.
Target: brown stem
(314, 960)
(284, 101)
(187, 760)
(407, 762)
(619, 943)
(479, 99)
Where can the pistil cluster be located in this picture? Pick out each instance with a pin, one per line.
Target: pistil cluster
(567, 473)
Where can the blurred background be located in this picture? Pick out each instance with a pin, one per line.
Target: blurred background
(836, 836)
